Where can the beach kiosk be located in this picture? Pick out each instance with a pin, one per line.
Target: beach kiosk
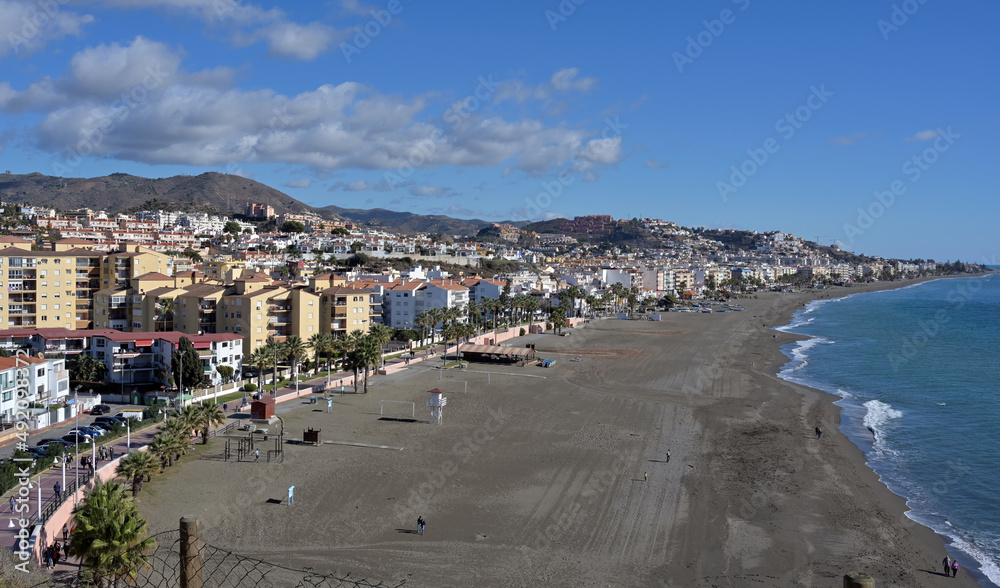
(262, 409)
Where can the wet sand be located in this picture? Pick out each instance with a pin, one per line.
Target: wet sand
(537, 474)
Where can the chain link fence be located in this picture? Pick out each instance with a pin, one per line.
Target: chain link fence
(180, 558)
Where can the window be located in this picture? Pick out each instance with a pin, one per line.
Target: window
(56, 307)
(310, 328)
(45, 318)
(100, 342)
(44, 307)
(258, 329)
(310, 316)
(310, 303)
(57, 272)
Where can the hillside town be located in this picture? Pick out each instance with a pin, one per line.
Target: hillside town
(123, 288)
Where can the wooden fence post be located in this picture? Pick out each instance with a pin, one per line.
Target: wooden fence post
(192, 545)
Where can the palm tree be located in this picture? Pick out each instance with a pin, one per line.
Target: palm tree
(135, 467)
(322, 346)
(369, 354)
(165, 306)
(209, 415)
(274, 350)
(383, 335)
(351, 343)
(190, 417)
(260, 360)
(295, 349)
(110, 537)
(421, 321)
(435, 315)
(531, 306)
(473, 313)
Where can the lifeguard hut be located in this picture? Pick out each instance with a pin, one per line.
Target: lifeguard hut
(437, 402)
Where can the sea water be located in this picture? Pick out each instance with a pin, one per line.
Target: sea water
(918, 373)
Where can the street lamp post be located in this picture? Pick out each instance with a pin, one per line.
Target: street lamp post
(128, 436)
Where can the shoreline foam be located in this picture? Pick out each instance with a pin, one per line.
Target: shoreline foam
(871, 417)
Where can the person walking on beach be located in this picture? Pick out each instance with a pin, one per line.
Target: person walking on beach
(954, 568)
(946, 562)
(819, 433)
(420, 525)
(256, 455)
(668, 455)
(645, 476)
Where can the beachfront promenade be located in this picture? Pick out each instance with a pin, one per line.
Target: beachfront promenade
(71, 476)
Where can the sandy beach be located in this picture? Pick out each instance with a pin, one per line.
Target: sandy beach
(537, 476)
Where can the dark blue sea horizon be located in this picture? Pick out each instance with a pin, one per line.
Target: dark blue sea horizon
(918, 373)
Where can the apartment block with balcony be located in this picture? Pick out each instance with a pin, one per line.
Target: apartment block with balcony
(345, 310)
(196, 308)
(47, 289)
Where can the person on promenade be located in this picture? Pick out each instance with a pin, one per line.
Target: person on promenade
(58, 490)
(65, 533)
(66, 550)
(12, 503)
(111, 452)
(56, 549)
(48, 558)
(954, 568)
(946, 562)
(225, 408)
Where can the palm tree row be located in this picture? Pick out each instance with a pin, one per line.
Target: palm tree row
(170, 443)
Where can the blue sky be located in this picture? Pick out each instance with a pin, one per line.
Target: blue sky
(802, 117)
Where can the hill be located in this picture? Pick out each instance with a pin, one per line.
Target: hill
(208, 192)
(408, 222)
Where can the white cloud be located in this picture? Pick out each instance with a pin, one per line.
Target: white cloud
(653, 164)
(563, 81)
(248, 24)
(429, 191)
(299, 183)
(136, 102)
(929, 135)
(26, 27)
(361, 186)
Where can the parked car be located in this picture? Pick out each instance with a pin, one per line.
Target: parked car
(100, 409)
(46, 441)
(74, 439)
(93, 431)
(104, 426)
(110, 420)
(84, 435)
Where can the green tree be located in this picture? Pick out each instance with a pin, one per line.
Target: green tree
(368, 355)
(274, 351)
(232, 227)
(165, 309)
(85, 368)
(260, 360)
(110, 536)
(185, 365)
(291, 226)
(209, 415)
(192, 255)
(295, 350)
(322, 345)
(136, 467)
